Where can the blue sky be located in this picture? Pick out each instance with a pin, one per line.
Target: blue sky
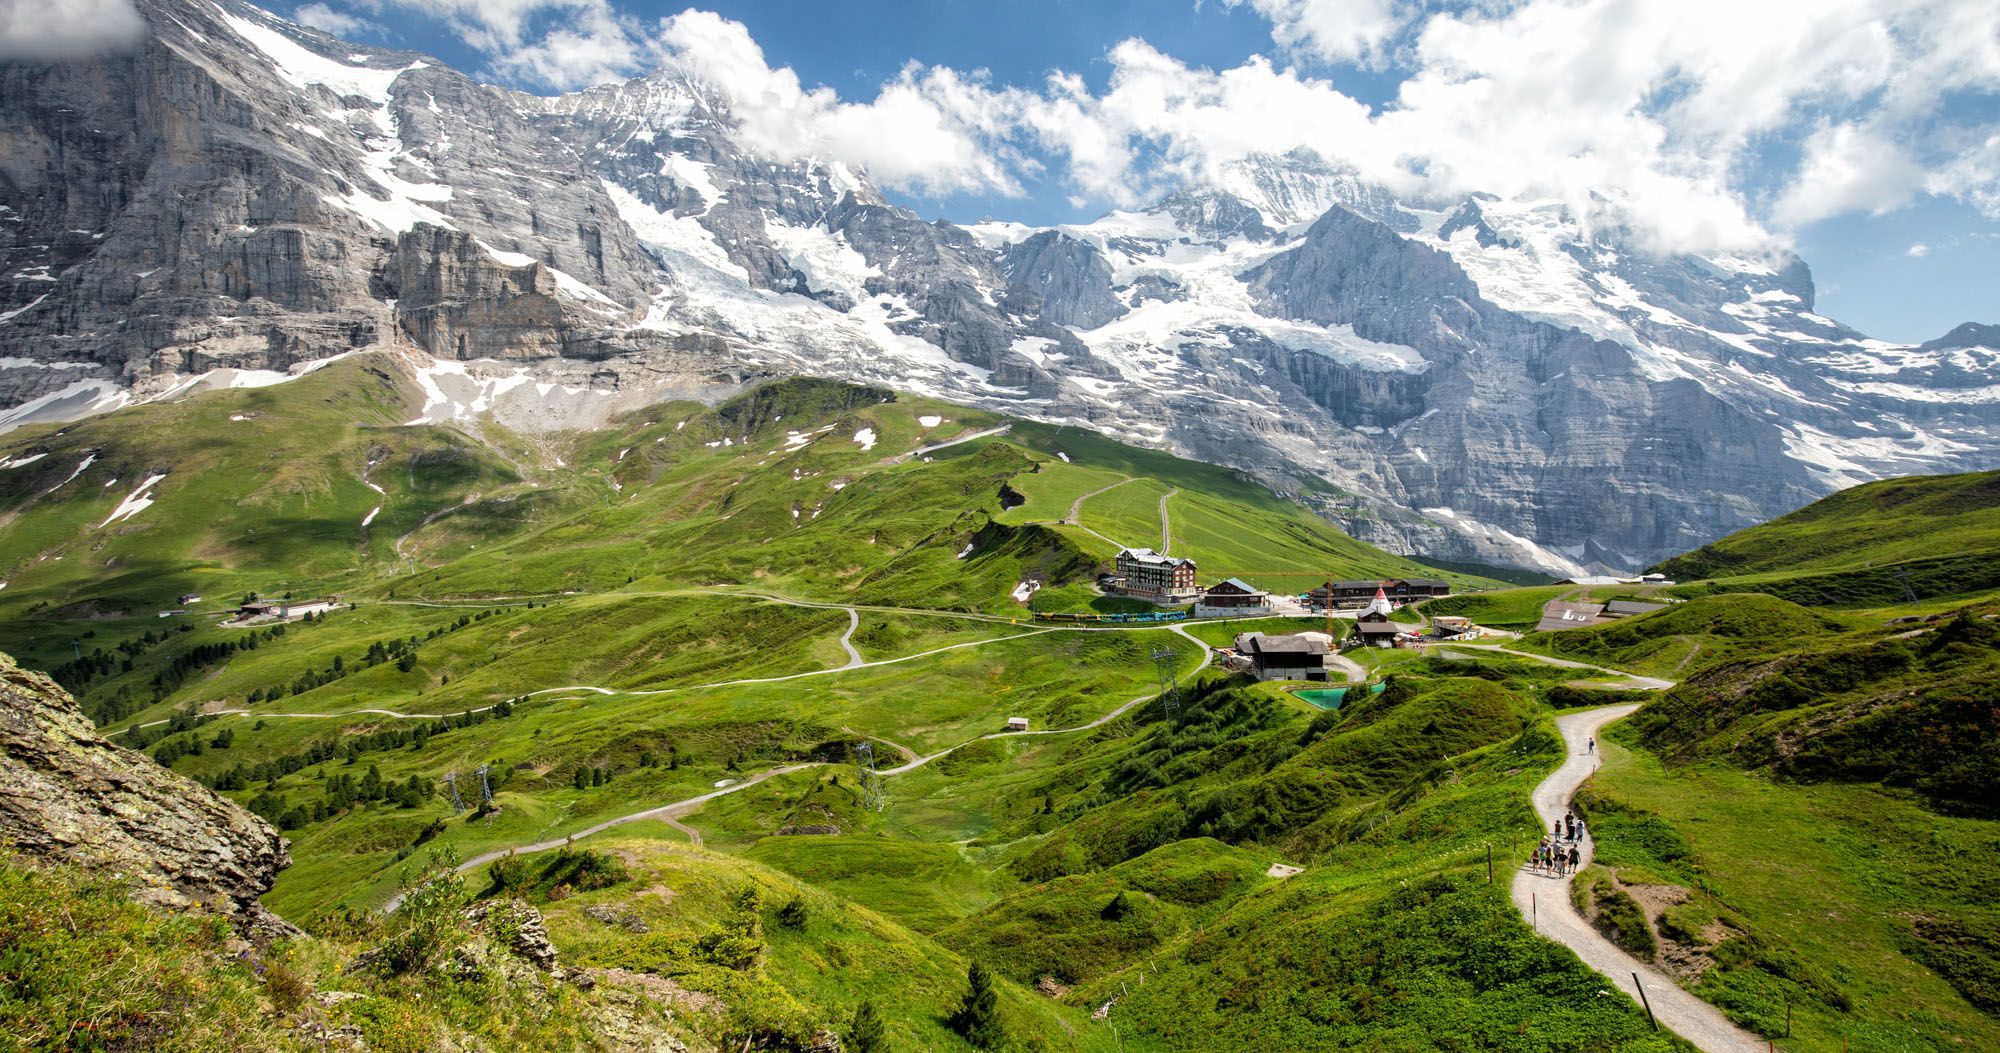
(1861, 133)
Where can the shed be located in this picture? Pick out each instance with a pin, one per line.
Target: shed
(1296, 657)
(1017, 723)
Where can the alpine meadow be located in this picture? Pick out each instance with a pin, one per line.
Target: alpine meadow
(619, 549)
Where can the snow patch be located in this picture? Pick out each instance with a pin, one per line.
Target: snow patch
(88, 460)
(694, 175)
(370, 517)
(1537, 555)
(8, 316)
(304, 68)
(930, 421)
(136, 502)
(866, 438)
(81, 399)
(19, 461)
(451, 393)
(828, 262)
(1025, 590)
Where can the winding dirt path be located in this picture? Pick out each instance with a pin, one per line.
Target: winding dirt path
(1075, 516)
(1630, 681)
(936, 446)
(672, 812)
(1544, 902)
(1166, 523)
(854, 659)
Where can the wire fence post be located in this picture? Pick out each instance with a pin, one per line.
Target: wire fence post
(1647, 1002)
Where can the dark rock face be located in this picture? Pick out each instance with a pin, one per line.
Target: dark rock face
(1069, 276)
(67, 794)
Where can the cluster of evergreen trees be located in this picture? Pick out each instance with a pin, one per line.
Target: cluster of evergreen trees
(401, 650)
(77, 675)
(343, 791)
(415, 735)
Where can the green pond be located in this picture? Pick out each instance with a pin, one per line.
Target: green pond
(1330, 697)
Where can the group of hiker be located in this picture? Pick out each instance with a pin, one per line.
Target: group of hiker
(1561, 853)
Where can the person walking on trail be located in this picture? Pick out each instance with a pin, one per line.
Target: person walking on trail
(1575, 857)
(1593, 744)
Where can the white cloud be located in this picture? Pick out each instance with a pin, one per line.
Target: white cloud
(1675, 119)
(1917, 250)
(932, 130)
(594, 45)
(338, 23)
(1972, 174)
(56, 30)
(1848, 168)
(1333, 30)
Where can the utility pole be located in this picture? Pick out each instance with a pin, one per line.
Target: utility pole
(485, 788)
(1167, 665)
(451, 785)
(873, 798)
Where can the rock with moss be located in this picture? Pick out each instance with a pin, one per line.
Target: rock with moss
(67, 794)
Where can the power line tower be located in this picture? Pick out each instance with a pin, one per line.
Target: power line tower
(451, 785)
(1167, 664)
(873, 797)
(1903, 578)
(485, 788)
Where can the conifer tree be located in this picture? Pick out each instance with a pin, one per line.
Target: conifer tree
(978, 1016)
(866, 1034)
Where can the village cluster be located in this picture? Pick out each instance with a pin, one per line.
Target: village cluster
(255, 610)
(1172, 581)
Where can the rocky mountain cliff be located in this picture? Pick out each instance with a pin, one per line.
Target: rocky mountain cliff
(68, 795)
(1476, 379)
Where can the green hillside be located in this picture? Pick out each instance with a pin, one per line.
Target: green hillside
(669, 640)
(1884, 542)
(1691, 635)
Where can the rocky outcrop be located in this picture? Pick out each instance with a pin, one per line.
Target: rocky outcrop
(1071, 278)
(69, 795)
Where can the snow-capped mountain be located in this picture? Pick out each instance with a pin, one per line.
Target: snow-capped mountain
(1481, 379)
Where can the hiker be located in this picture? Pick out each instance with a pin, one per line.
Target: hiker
(1593, 744)
(1575, 857)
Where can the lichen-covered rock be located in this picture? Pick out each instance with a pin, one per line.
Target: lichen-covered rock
(68, 794)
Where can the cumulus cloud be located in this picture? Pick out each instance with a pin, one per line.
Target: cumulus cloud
(933, 130)
(1698, 125)
(1358, 31)
(1917, 251)
(56, 30)
(339, 23)
(1848, 168)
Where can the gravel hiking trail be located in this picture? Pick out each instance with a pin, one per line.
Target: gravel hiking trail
(1544, 902)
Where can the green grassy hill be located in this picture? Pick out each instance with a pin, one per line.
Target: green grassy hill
(1878, 543)
(712, 608)
(1691, 635)
(1802, 830)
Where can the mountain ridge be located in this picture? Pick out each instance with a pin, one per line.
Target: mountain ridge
(620, 245)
